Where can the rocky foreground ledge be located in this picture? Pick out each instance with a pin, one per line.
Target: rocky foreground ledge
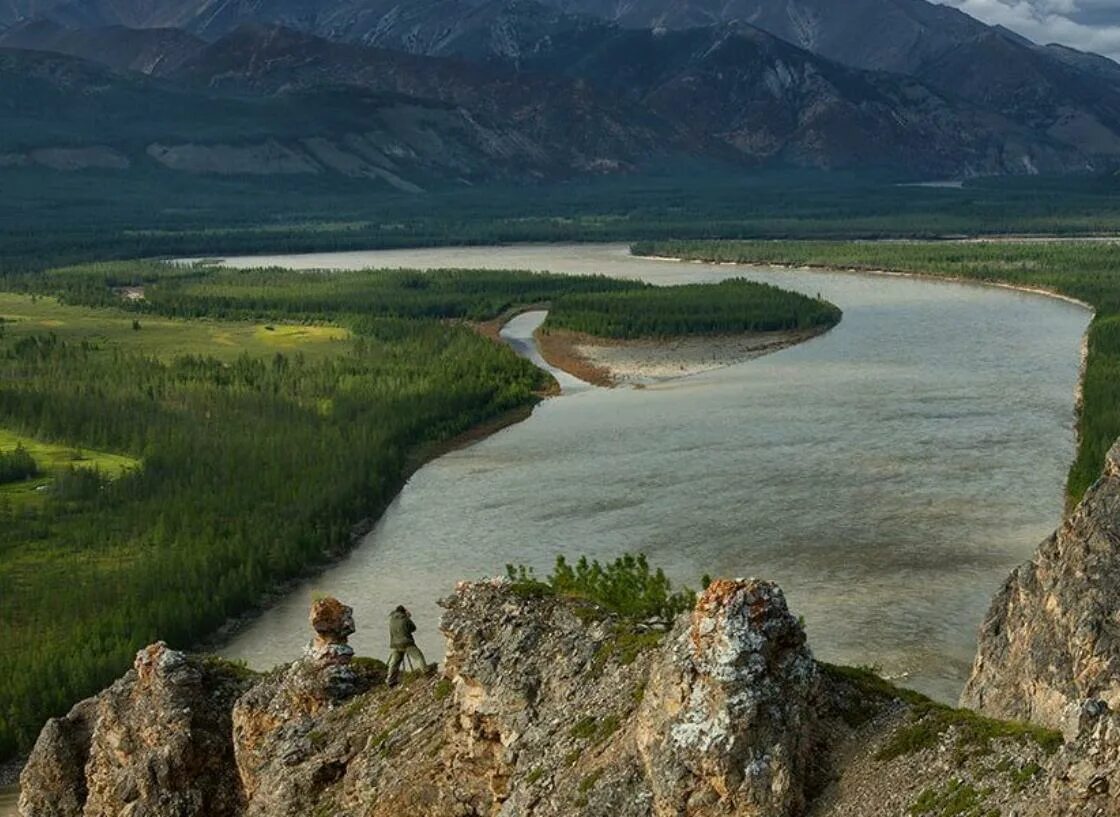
(552, 706)
(549, 706)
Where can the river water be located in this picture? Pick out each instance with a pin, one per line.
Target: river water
(887, 474)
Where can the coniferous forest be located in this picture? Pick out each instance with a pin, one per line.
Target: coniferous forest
(737, 306)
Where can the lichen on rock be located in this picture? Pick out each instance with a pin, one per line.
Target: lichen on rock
(726, 723)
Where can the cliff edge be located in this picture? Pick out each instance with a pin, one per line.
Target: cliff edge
(1052, 637)
(547, 705)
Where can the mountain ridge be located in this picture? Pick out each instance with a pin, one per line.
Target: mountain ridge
(605, 87)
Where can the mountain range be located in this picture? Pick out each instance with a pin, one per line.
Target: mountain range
(540, 90)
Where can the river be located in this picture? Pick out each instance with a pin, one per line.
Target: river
(887, 474)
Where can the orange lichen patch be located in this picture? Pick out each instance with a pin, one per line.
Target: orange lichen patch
(330, 617)
(147, 659)
(718, 593)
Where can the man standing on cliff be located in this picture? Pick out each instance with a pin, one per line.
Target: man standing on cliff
(401, 644)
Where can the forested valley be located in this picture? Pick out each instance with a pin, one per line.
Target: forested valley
(179, 439)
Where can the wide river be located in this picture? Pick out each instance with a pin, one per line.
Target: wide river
(888, 474)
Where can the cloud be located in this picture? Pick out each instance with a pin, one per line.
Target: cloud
(1088, 25)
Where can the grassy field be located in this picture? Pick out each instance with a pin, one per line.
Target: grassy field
(52, 459)
(1086, 271)
(27, 315)
(108, 330)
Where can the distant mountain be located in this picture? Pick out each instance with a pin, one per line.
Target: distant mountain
(729, 93)
(67, 114)
(565, 117)
(887, 35)
(434, 27)
(100, 13)
(606, 84)
(148, 51)
(1068, 96)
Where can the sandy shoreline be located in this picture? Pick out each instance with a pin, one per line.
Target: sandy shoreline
(925, 276)
(645, 362)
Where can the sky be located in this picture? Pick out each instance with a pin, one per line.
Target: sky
(1088, 25)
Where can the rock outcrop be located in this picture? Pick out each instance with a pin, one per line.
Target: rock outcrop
(1086, 776)
(274, 723)
(157, 742)
(551, 706)
(726, 724)
(1052, 637)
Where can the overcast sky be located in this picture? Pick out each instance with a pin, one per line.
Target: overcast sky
(1090, 25)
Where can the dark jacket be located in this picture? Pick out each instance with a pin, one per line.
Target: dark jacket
(401, 629)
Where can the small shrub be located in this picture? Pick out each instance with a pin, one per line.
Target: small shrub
(638, 694)
(372, 670)
(79, 484)
(626, 587)
(1022, 777)
(589, 781)
(443, 689)
(595, 729)
(624, 646)
(236, 670)
(17, 465)
(975, 733)
(584, 728)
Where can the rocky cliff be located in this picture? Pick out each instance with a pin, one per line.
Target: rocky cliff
(1050, 646)
(551, 706)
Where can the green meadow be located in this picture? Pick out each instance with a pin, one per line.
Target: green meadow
(107, 328)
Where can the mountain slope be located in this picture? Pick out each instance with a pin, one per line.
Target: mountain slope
(565, 117)
(69, 114)
(148, 51)
(889, 35)
(771, 100)
(730, 91)
(596, 94)
(1057, 92)
(1029, 85)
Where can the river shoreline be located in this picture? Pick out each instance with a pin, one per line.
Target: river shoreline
(10, 770)
(1079, 390)
(480, 433)
(611, 363)
(921, 276)
(233, 627)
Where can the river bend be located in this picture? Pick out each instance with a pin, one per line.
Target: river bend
(888, 474)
